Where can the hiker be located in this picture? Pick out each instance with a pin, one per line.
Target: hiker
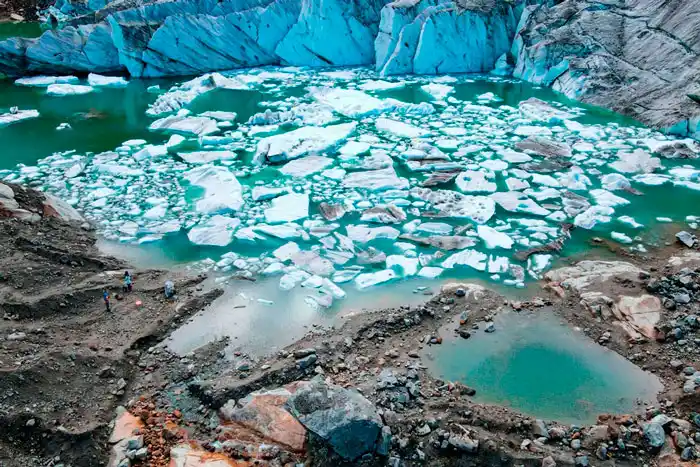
(169, 289)
(128, 282)
(105, 297)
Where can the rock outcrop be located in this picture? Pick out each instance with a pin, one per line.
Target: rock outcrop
(637, 57)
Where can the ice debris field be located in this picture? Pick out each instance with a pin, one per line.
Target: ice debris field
(344, 180)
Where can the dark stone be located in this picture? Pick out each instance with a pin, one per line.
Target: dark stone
(343, 418)
(306, 362)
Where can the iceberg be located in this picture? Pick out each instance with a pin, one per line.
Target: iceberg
(472, 258)
(305, 166)
(263, 193)
(364, 234)
(45, 81)
(515, 201)
(437, 91)
(17, 116)
(400, 129)
(106, 81)
(366, 280)
(184, 125)
(351, 103)
(222, 191)
(215, 231)
(453, 204)
(68, 90)
(405, 266)
(375, 180)
(471, 181)
(493, 238)
(180, 96)
(206, 157)
(303, 141)
(288, 208)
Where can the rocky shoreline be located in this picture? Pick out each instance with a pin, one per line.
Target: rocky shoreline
(97, 388)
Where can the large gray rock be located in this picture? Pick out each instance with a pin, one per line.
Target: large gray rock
(637, 57)
(343, 418)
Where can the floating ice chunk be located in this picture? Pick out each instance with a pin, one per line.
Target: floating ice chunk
(546, 180)
(206, 157)
(538, 110)
(430, 272)
(529, 130)
(263, 193)
(472, 258)
(284, 231)
(498, 265)
(630, 221)
(119, 170)
(222, 191)
(664, 219)
(471, 181)
(330, 288)
(605, 198)
(303, 141)
(346, 275)
(68, 90)
(17, 116)
(453, 204)
(156, 212)
(593, 216)
(405, 266)
(274, 268)
(514, 157)
(400, 129)
(292, 278)
(180, 96)
(493, 238)
(286, 251)
(106, 81)
(620, 237)
(488, 97)
(384, 215)
(354, 148)
(364, 234)
(538, 263)
(288, 208)
(349, 102)
(615, 181)
(182, 124)
(434, 228)
(215, 231)
(437, 91)
(651, 179)
(516, 184)
(220, 116)
(419, 110)
(515, 201)
(305, 166)
(366, 280)
(379, 85)
(375, 180)
(636, 162)
(334, 174)
(575, 180)
(45, 81)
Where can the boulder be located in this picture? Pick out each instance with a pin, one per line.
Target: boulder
(264, 413)
(342, 418)
(641, 313)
